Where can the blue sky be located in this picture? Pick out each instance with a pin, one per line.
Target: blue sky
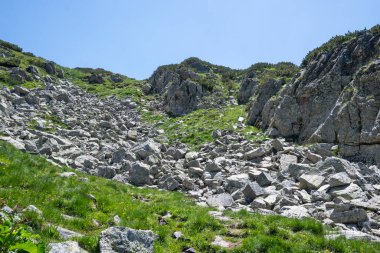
(134, 37)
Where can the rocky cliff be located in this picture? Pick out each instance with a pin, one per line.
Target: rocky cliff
(334, 98)
(194, 84)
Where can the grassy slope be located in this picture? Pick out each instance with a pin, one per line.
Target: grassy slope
(26, 179)
(129, 87)
(195, 128)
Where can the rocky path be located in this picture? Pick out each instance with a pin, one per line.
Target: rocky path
(107, 138)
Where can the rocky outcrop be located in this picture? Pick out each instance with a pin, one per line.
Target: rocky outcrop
(126, 240)
(335, 98)
(261, 94)
(191, 85)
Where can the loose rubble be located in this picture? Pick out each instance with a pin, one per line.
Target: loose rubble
(105, 137)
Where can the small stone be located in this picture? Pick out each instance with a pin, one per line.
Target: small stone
(177, 235)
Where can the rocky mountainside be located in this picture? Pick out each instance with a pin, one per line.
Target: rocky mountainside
(195, 84)
(333, 99)
(94, 121)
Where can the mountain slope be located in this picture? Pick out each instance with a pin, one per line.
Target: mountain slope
(334, 98)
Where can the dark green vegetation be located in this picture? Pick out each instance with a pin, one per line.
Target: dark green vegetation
(16, 236)
(335, 42)
(196, 128)
(26, 179)
(264, 71)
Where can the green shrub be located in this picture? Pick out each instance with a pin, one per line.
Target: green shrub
(17, 237)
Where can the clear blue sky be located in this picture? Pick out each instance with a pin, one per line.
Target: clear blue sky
(134, 37)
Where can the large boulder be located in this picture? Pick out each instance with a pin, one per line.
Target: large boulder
(139, 173)
(126, 240)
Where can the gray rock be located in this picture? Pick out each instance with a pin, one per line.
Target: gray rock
(132, 135)
(49, 67)
(106, 171)
(264, 179)
(146, 149)
(195, 172)
(223, 199)
(176, 153)
(297, 169)
(252, 190)
(339, 165)
(95, 79)
(351, 216)
(126, 240)
(258, 152)
(67, 234)
(213, 167)
(169, 184)
(236, 182)
(286, 160)
(65, 247)
(86, 161)
(294, 212)
(139, 174)
(311, 182)
(339, 179)
(352, 191)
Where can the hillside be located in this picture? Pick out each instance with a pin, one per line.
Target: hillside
(197, 158)
(64, 198)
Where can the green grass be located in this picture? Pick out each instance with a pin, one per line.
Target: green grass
(26, 179)
(196, 128)
(128, 88)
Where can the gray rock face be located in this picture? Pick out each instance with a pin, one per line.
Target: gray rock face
(334, 99)
(126, 240)
(184, 98)
(247, 89)
(65, 247)
(188, 86)
(260, 97)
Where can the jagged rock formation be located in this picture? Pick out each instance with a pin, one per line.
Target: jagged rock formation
(259, 78)
(333, 99)
(192, 85)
